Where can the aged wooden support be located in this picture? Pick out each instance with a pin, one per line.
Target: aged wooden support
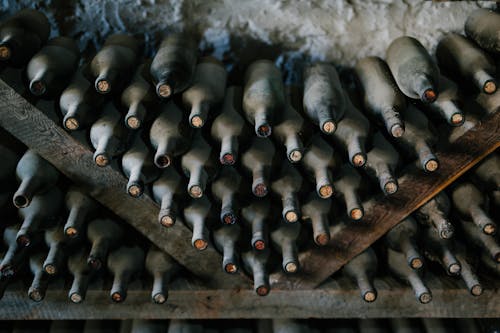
(32, 127)
(382, 213)
(338, 299)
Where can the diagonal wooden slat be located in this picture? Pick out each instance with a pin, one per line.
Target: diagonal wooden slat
(38, 132)
(382, 213)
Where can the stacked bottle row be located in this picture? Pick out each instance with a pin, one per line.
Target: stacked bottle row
(397, 325)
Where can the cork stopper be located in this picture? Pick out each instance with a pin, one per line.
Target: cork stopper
(262, 290)
(264, 131)
(5, 52)
(164, 90)
(36, 295)
(167, 221)
(260, 190)
(489, 229)
(425, 298)
(117, 297)
(390, 187)
(229, 218)
(197, 122)
(490, 87)
(133, 122)
(291, 216)
(291, 267)
(370, 296)
(454, 269)
(231, 268)
(356, 214)
(200, 244)
(457, 119)
(76, 298)
(326, 191)
(103, 86)
(397, 131)
(50, 269)
(101, 160)
(295, 156)
(322, 239)
(195, 191)
(358, 160)
(476, 290)
(228, 159)
(329, 127)
(259, 245)
(71, 124)
(416, 263)
(159, 299)
(135, 191)
(71, 232)
(431, 165)
(429, 96)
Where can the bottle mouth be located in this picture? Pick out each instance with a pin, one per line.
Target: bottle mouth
(457, 119)
(133, 122)
(259, 245)
(356, 214)
(117, 297)
(101, 160)
(5, 53)
(370, 296)
(231, 268)
(291, 216)
(291, 267)
(71, 124)
(197, 122)
(229, 218)
(264, 130)
(228, 159)
(397, 131)
(135, 190)
(262, 290)
(76, 298)
(23, 240)
(103, 86)
(195, 191)
(94, 263)
(358, 160)
(71, 232)
(21, 201)
(325, 191)
(200, 244)
(431, 165)
(159, 298)
(163, 90)
(167, 221)
(446, 234)
(38, 87)
(476, 290)
(329, 127)
(36, 295)
(454, 269)
(489, 229)
(162, 161)
(295, 156)
(416, 263)
(391, 187)
(429, 96)
(490, 87)
(50, 269)
(260, 190)
(322, 239)
(425, 298)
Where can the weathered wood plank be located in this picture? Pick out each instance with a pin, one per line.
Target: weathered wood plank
(37, 131)
(381, 214)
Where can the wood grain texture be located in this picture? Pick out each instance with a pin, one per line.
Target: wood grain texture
(415, 188)
(106, 185)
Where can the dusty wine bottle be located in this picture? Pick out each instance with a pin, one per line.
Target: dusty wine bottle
(105, 235)
(324, 100)
(318, 160)
(472, 204)
(482, 25)
(284, 239)
(459, 56)
(258, 160)
(467, 272)
(402, 238)
(138, 97)
(163, 269)
(196, 217)
(347, 185)
(138, 167)
(382, 162)
(173, 65)
(22, 35)
(413, 69)
(225, 239)
(447, 105)
(206, 91)
(381, 95)
(485, 242)
(50, 70)
(255, 264)
(361, 269)
(167, 135)
(165, 190)
(352, 133)
(287, 131)
(80, 207)
(488, 172)
(228, 127)
(124, 263)
(287, 186)
(197, 165)
(399, 267)
(225, 190)
(8, 262)
(434, 214)
(56, 242)
(113, 64)
(108, 136)
(43, 211)
(263, 96)
(77, 265)
(317, 210)
(256, 215)
(440, 250)
(38, 287)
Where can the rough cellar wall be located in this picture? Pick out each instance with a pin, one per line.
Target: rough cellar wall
(339, 31)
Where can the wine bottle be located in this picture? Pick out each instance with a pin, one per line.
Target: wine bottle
(225, 190)
(473, 205)
(256, 215)
(108, 136)
(418, 139)
(381, 95)
(42, 212)
(255, 264)
(167, 135)
(317, 210)
(414, 71)
(347, 185)
(78, 103)
(486, 242)
(402, 238)
(206, 91)
(138, 97)
(381, 165)
(225, 239)
(440, 250)
(163, 269)
(488, 172)
(263, 96)
(50, 70)
(459, 56)
(196, 216)
(284, 239)
(55, 240)
(184, 326)
(124, 263)
(467, 272)
(434, 214)
(398, 266)
(447, 105)
(258, 160)
(173, 65)
(22, 35)
(8, 262)
(38, 287)
(229, 127)
(289, 326)
(78, 267)
(36, 176)
(404, 325)
(105, 235)
(361, 269)
(112, 65)
(198, 166)
(80, 207)
(482, 25)
(287, 131)
(491, 265)
(138, 167)
(352, 132)
(165, 190)
(318, 160)
(287, 186)
(324, 100)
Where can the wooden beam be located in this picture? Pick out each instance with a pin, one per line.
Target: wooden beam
(32, 127)
(332, 301)
(382, 213)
